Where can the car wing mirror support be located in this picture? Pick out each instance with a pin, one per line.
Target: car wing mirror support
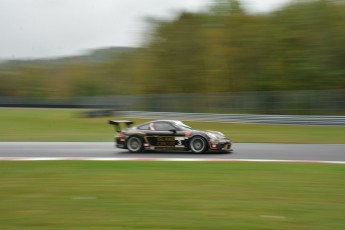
(173, 130)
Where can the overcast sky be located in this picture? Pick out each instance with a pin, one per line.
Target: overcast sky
(50, 28)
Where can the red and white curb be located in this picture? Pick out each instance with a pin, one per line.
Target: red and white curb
(159, 159)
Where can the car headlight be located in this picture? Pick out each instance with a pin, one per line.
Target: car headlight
(214, 141)
(213, 138)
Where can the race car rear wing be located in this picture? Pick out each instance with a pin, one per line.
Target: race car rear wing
(117, 124)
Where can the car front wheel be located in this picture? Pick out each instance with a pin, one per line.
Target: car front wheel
(135, 144)
(198, 145)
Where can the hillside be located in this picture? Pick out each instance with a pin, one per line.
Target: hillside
(97, 55)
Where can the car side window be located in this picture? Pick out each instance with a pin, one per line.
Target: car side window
(144, 127)
(162, 126)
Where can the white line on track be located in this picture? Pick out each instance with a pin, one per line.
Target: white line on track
(158, 159)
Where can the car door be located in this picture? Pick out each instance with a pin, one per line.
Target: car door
(165, 136)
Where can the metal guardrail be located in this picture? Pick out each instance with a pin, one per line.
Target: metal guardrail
(239, 118)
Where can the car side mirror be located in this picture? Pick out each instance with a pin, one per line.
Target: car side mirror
(173, 130)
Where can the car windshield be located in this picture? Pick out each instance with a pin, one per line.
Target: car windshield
(182, 126)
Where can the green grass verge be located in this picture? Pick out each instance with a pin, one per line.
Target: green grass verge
(68, 125)
(171, 195)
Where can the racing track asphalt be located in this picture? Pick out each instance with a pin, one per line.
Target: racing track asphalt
(259, 151)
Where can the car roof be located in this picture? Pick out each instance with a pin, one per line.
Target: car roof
(169, 121)
(173, 121)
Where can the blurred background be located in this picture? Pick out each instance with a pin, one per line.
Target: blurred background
(221, 56)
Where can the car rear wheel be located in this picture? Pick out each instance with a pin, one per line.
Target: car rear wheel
(135, 144)
(198, 144)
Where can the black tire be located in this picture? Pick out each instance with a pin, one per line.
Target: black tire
(198, 144)
(134, 144)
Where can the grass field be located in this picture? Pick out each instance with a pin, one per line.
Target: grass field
(84, 195)
(171, 195)
(68, 125)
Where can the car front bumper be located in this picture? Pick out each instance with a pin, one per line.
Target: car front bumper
(221, 147)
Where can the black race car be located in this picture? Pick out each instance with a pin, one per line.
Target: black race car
(168, 135)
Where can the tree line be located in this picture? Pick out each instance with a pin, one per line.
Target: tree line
(223, 49)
